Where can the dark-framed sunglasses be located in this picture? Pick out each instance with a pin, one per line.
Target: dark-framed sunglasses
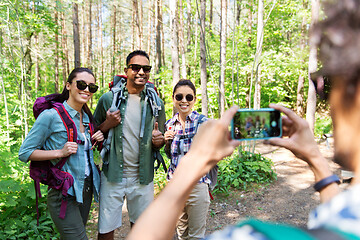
(137, 67)
(180, 96)
(322, 85)
(81, 85)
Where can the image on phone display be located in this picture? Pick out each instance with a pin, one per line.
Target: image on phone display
(249, 124)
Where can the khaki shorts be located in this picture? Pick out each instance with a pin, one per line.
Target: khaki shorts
(112, 195)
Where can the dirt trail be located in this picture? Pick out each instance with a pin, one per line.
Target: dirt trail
(288, 200)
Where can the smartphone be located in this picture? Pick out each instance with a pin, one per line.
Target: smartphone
(250, 124)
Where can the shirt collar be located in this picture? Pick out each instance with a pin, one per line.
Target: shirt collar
(72, 112)
(191, 117)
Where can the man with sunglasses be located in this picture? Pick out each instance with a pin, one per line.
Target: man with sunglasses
(128, 168)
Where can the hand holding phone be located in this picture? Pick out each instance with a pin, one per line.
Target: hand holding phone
(250, 124)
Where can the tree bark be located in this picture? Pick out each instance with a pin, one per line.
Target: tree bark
(101, 50)
(259, 42)
(158, 56)
(250, 16)
(203, 72)
(137, 13)
(301, 79)
(223, 19)
(182, 41)
(113, 39)
(311, 101)
(75, 19)
(211, 15)
(56, 58)
(174, 41)
(188, 24)
(89, 35)
(65, 53)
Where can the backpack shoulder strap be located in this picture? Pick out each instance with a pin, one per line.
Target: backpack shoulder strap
(118, 92)
(154, 99)
(70, 128)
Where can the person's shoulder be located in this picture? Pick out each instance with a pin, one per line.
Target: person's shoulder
(47, 115)
(172, 120)
(106, 97)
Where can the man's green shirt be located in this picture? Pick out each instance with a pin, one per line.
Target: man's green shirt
(113, 160)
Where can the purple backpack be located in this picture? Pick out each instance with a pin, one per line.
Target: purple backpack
(44, 171)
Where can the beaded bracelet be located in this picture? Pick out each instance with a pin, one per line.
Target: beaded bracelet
(325, 182)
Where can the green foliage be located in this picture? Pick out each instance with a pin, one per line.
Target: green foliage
(323, 124)
(160, 180)
(242, 169)
(17, 202)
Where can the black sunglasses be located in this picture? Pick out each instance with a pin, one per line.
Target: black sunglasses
(137, 67)
(180, 97)
(322, 85)
(81, 85)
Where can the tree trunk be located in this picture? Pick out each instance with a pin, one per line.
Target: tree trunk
(101, 50)
(211, 15)
(56, 57)
(89, 35)
(259, 42)
(37, 65)
(82, 29)
(75, 19)
(65, 58)
(182, 41)
(150, 27)
(188, 24)
(174, 41)
(223, 19)
(158, 61)
(196, 35)
(203, 72)
(299, 95)
(137, 13)
(311, 101)
(250, 16)
(3, 89)
(113, 40)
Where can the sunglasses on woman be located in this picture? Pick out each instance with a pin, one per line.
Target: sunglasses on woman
(137, 67)
(180, 97)
(81, 85)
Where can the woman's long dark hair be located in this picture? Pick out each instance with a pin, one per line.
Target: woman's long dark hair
(65, 93)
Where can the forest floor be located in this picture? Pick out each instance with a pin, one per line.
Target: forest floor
(288, 199)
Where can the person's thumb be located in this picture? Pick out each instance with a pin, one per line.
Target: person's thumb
(156, 126)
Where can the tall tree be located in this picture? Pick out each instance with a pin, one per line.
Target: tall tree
(223, 38)
(75, 19)
(89, 35)
(100, 46)
(301, 79)
(173, 7)
(158, 16)
(137, 14)
(311, 101)
(113, 54)
(56, 57)
(182, 41)
(203, 72)
(65, 51)
(259, 43)
(211, 14)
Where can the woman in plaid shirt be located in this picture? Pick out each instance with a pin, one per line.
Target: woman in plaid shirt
(181, 129)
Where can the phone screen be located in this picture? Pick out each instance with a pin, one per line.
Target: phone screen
(249, 124)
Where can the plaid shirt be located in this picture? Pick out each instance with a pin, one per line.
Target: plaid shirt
(182, 140)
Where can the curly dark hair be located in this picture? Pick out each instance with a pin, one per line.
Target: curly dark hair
(338, 39)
